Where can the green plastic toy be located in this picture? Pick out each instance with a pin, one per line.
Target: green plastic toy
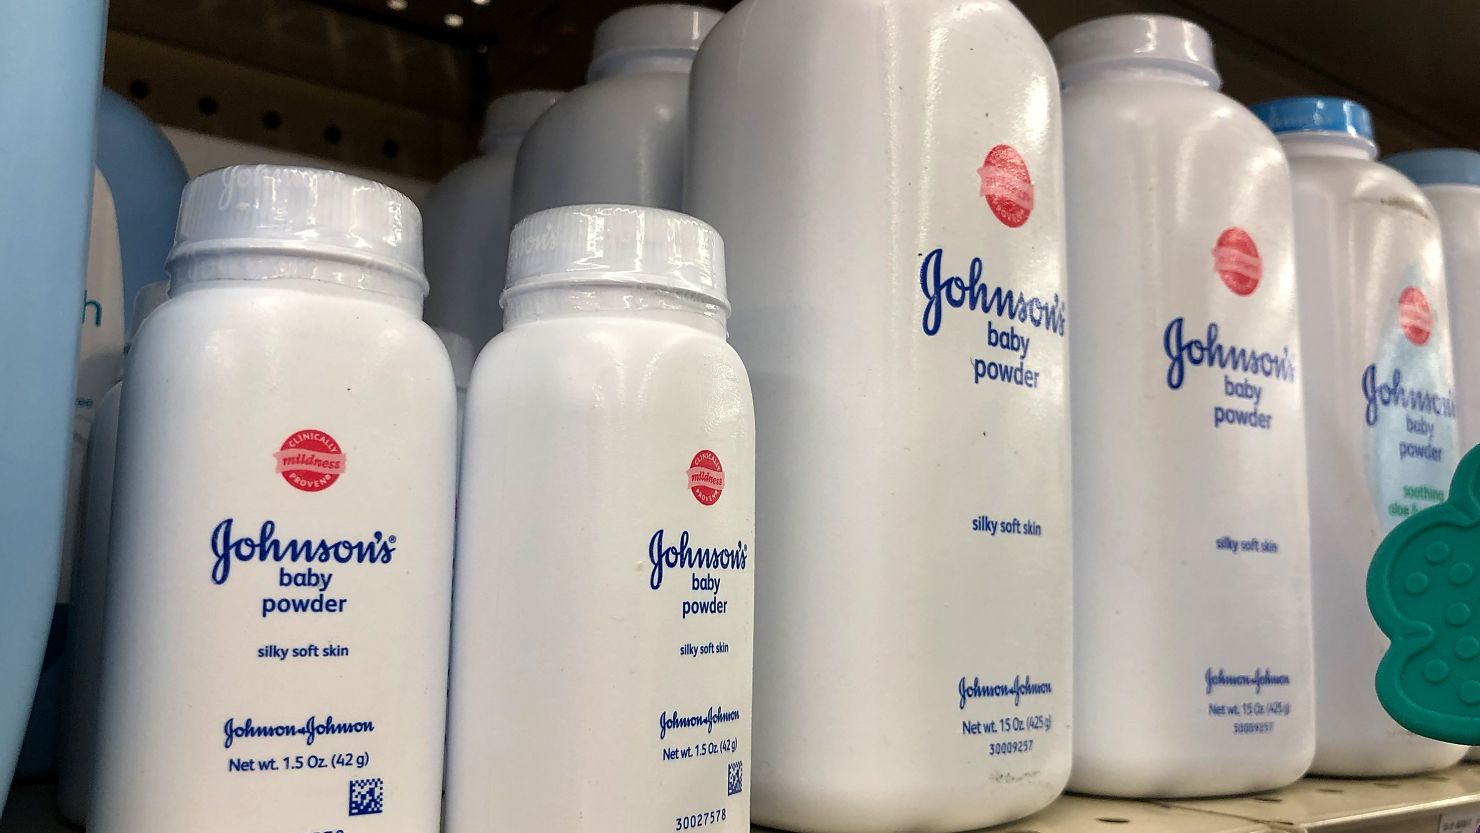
(1424, 591)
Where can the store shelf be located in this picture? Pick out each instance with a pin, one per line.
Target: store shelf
(1077, 814)
(31, 810)
(1315, 805)
(1386, 805)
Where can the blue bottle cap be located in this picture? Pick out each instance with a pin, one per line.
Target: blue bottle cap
(1440, 166)
(1316, 114)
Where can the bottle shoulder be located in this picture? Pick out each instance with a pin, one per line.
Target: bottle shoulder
(603, 115)
(903, 35)
(580, 370)
(1157, 125)
(248, 316)
(1169, 106)
(1359, 178)
(584, 341)
(482, 175)
(1003, 16)
(614, 96)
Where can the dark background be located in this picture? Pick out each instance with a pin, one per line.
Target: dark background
(402, 90)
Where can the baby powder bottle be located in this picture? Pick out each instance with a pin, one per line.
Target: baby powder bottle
(1450, 178)
(891, 198)
(467, 222)
(1380, 393)
(279, 583)
(620, 138)
(606, 543)
(78, 743)
(49, 57)
(1192, 570)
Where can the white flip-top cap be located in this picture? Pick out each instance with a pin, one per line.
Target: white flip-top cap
(1131, 40)
(258, 222)
(148, 299)
(671, 30)
(514, 114)
(617, 245)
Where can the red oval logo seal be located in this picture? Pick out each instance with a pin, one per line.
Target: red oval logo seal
(1236, 260)
(310, 460)
(1006, 186)
(706, 477)
(1415, 316)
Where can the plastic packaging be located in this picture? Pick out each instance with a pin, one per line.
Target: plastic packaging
(620, 138)
(1375, 325)
(1192, 565)
(891, 199)
(467, 223)
(279, 585)
(50, 58)
(606, 533)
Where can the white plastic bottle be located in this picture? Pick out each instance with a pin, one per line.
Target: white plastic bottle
(280, 575)
(1375, 325)
(606, 549)
(77, 746)
(1192, 562)
(467, 222)
(891, 199)
(1450, 178)
(620, 138)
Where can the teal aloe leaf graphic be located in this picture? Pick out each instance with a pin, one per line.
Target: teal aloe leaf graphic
(1423, 588)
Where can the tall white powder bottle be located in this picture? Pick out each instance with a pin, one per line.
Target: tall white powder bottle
(620, 138)
(606, 540)
(280, 579)
(891, 198)
(1450, 178)
(77, 746)
(467, 223)
(1375, 323)
(1192, 561)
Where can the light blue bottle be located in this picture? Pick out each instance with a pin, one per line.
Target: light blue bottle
(146, 178)
(50, 65)
(143, 178)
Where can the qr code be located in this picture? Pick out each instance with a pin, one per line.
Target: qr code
(737, 778)
(366, 796)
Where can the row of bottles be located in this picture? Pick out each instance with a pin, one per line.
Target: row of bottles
(1226, 294)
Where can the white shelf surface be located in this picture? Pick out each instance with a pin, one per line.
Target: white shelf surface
(1418, 804)
(1077, 814)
